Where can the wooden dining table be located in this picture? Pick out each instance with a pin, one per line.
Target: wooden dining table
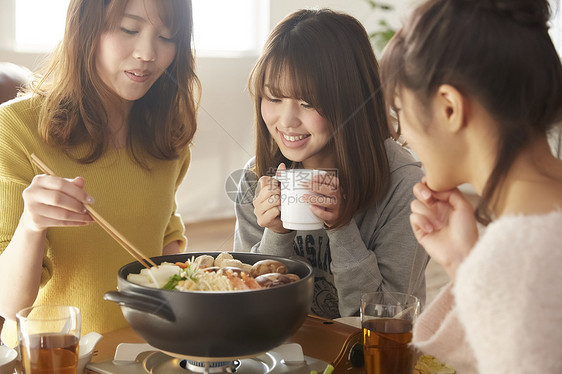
(105, 349)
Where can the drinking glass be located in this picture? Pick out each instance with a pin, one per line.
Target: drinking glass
(387, 319)
(48, 339)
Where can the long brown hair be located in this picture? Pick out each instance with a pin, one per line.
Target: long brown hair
(496, 51)
(332, 67)
(161, 123)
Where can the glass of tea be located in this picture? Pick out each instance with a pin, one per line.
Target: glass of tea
(387, 319)
(48, 339)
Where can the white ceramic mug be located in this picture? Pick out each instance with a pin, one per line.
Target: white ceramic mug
(295, 211)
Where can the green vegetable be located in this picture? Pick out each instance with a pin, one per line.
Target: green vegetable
(173, 282)
(430, 365)
(191, 272)
(329, 369)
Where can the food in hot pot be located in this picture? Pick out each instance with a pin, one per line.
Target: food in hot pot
(206, 273)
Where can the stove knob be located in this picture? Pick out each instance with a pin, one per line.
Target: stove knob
(356, 356)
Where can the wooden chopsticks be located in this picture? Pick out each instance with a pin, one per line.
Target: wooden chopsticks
(133, 251)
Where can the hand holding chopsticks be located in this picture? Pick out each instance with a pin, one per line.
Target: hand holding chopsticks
(119, 238)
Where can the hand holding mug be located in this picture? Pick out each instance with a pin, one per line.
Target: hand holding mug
(325, 203)
(296, 212)
(267, 203)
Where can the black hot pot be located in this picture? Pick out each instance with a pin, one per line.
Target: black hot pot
(212, 326)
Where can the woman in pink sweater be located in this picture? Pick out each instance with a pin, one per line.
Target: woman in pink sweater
(475, 86)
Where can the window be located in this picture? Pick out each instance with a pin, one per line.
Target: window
(235, 27)
(39, 24)
(220, 26)
(556, 26)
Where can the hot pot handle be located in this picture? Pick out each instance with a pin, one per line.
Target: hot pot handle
(141, 303)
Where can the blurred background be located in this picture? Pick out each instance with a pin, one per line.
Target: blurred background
(228, 38)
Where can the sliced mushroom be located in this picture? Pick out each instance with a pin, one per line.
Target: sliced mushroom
(268, 266)
(273, 279)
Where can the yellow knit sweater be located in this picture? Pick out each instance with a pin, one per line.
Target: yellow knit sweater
(81, 263)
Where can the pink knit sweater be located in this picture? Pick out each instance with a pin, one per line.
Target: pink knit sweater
(504, 313)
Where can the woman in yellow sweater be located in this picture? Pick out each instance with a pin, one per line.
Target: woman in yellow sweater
(113, 115)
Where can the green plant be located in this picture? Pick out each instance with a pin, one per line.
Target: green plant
(384, 32)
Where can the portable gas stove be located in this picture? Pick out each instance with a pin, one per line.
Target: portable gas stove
(288, 358)
(318, 343)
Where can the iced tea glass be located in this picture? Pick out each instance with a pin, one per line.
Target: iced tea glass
(48, 339)
(387, 319)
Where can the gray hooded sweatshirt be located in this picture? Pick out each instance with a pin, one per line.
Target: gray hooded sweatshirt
(375, 251)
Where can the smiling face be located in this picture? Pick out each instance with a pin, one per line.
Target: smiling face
(132, 56)
(302, 134)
